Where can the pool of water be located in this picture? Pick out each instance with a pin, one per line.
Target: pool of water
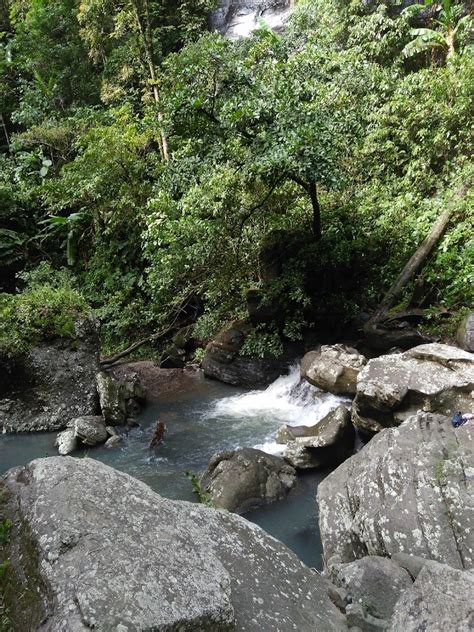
(203, 418)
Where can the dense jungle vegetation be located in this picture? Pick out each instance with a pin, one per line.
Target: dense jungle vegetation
(147, 163)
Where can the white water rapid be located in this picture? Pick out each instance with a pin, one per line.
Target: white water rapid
(289, 400)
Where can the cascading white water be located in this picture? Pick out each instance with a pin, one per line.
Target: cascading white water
(289, 400)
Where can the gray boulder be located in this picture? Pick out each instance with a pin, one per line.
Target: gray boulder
(409, 490)
(441, 599)
(66, 442)
(333, 368)
(435, 378)
(120, 395)
(465, 333)
(238, 18)
(374, 583)
(328, 442)
(52, 383)
(240, 480)
(105, 552)
(90, 430)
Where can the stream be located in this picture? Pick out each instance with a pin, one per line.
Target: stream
(203, 418)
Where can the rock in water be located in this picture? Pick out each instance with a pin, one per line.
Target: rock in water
(114, 555)
(120, 395)
(52, 383)
(90, 430)
(333, 368)
(407, 491)
(441, 599)
(434, 378)
(66, 442)
(243, 479)
(223, 360)
(329, 442)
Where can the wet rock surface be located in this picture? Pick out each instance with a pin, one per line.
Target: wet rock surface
(52, 383)
(333, 368)
(121, 395)
(441, 599)
(240, 480)
(409, 490)
(434, 377)
(114, 555)
(329, 442)
(223, 360)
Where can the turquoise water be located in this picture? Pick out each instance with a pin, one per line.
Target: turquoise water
(204, 418)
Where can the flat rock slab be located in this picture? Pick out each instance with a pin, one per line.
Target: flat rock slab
(441, 598)
(434, 377)
(409, 490)
(115, 555)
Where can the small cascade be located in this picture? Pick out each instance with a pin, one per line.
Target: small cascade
(289, 400)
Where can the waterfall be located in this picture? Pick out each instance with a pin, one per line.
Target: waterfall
(289, 400)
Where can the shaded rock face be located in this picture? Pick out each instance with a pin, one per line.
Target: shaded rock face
(436, 378)
(465, 334)
(238, 18)
(114, 555)
(329, 442)
(243, 479)
(441, 599)
(52, 383)
(333, 368)
(409, 490)
(375, 583)
(120, 395)
(222, 360)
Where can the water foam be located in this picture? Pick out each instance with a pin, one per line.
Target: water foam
(289, 400)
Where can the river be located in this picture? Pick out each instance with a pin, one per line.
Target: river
(203, 418)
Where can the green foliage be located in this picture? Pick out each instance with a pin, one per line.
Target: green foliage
(5, 528)
(48, 308)
(326, 140)
(453, 32)
(203, 496)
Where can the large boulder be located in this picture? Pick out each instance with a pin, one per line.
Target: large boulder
(409, 490)
(435, 378)
(120, 395)
(52, 383)
(328, 442)
(90, 430)
(105, 552)
(238, 18)
(223, 360)
(240, 480)
(441, 599)
(465, 333)
(375, 583)
(333, 368)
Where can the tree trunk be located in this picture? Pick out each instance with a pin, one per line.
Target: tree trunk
(147, 40)
(416, 261)
(313, 194)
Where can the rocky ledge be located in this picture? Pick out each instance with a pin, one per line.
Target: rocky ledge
(409, 490)
(105, 552)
